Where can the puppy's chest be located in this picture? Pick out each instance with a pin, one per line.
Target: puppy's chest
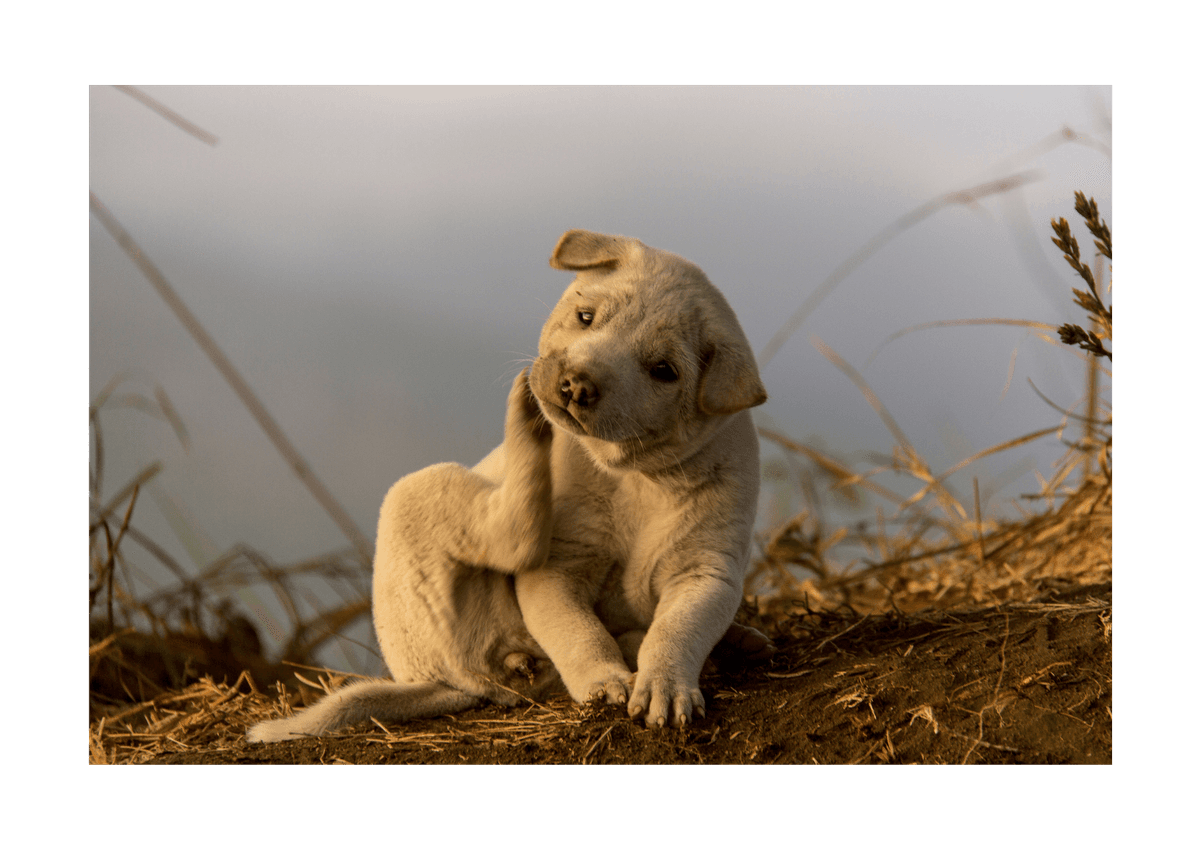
(622, 525)
(644, 523)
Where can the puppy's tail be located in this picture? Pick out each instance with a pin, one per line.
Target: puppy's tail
(382, 700)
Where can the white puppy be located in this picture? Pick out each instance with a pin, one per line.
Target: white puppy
(609, 532)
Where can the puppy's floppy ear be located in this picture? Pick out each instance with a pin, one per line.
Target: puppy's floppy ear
(730, 382)
(583, 249)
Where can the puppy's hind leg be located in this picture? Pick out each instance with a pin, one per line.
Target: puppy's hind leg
(753, 645)
(381, 700)
(495, 515)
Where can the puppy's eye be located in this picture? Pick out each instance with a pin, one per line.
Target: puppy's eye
(663, 371)
(586, 317)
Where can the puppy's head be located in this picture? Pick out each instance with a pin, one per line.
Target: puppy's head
(642, 358)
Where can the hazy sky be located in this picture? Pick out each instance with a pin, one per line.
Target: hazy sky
(374, 260)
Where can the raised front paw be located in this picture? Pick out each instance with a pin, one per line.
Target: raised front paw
(662, 699)
(525, 419)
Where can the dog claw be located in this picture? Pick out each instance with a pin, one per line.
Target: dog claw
(521, 663)
(609, 692)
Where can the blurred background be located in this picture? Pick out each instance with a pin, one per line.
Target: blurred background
(374, 262)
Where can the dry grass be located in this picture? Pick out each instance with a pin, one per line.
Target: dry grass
(212, 718)
(203, 714)
(157, 653)
(149, 637)
(928, 549)
(835, 660)
(1090, 301)
(938, 563)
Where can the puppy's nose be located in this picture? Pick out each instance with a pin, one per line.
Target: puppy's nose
(580, 389)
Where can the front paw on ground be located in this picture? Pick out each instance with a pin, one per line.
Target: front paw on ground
(662, 701)
(608, 690)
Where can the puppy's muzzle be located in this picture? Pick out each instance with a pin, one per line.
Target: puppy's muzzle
(579, 388)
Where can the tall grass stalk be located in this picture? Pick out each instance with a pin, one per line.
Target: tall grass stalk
(234, 378)
(914, 557)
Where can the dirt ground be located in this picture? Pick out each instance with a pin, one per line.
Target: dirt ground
(1020, 683)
